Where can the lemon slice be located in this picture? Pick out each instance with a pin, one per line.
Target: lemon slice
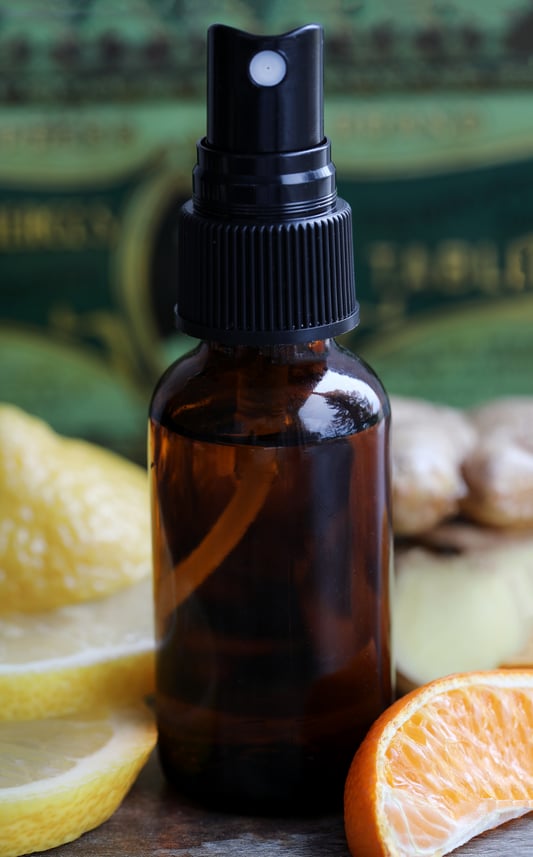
(74, 518)
(65, 660)
(61, 777)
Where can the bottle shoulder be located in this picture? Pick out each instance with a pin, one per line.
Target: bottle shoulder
(253, 399)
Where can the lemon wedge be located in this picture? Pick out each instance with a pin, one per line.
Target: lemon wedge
(61, 777)
(74, 518)
(65, 660)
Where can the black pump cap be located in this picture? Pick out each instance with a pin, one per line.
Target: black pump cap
(265, 246)
(247, 116)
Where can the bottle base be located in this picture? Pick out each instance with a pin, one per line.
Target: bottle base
(271, 782)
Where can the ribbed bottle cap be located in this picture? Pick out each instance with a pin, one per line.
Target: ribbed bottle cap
(265, 249)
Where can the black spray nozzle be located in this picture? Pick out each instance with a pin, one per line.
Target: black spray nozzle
(265, 246)
(265, 93)
(264, 155)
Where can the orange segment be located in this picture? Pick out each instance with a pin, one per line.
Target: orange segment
(446, 762)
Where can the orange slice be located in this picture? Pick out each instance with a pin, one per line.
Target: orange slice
(443, 764)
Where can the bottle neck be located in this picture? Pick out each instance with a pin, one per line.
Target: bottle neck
(294, 352)
(266, 378)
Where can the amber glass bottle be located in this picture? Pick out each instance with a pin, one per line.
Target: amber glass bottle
(269, 458)
(272, 535)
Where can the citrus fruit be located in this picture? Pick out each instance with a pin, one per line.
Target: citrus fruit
(61, 777)
(71, 658)
(444, 763)
(74, 518)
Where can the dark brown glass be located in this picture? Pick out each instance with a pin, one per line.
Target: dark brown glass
(272, 557)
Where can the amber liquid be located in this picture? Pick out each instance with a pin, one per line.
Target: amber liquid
(272, 667)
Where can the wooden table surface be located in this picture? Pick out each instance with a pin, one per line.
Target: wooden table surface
(155, 822)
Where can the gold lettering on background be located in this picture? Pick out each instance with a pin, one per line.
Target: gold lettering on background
(380, 124)
(518, 264)
(61, 132)
(383, 263)
(486, 267)
(69, 226)
(450, 267)
(415, 267)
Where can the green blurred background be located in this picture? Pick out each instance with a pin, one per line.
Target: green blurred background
(429, 106)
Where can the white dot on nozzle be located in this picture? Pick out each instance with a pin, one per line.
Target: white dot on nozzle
(267, 68)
